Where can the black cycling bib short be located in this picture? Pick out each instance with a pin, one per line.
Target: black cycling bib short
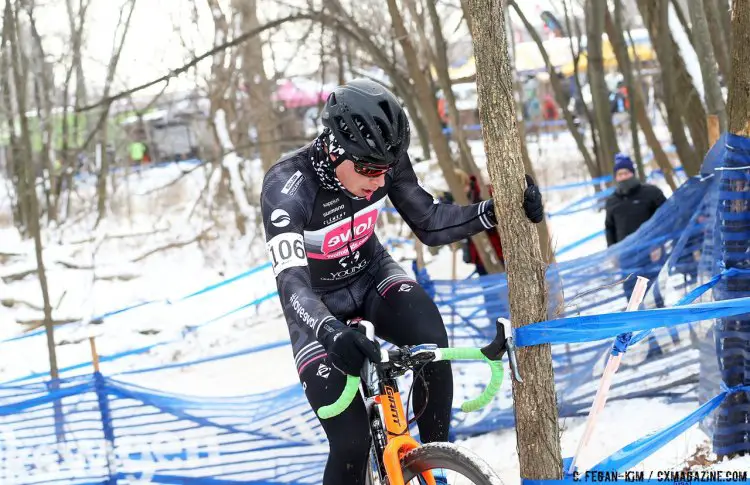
(330, 267)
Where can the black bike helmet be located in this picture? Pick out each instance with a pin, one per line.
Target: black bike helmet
(367, 121)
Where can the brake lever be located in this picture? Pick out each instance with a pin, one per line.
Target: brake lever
(504, 343)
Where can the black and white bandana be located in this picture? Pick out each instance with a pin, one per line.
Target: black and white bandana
(325, 168)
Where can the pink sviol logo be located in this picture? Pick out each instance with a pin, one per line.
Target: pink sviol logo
(337, 238)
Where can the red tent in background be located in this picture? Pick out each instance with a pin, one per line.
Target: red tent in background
(297, 95)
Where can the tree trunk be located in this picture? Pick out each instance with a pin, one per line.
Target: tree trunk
(409, 96)
(42, 93)
(680, 96)
(683, 20)
(444, 80)
(576, 55)
(709, 71)
(732, 436)
(594, 170)
(340, 77)
(630, 83)
(637, 103)
(25, 152)
(16, 162)
(259, 87)
(719, 38)
(429, 112)
(724, 7)
(545, 237)
(739, 83)
(599, 92)
(536, 413)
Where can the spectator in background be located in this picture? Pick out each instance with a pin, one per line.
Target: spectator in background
(471, 255)
(138, 153)
(632, 204)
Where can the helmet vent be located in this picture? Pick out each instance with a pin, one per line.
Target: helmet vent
(386, 107)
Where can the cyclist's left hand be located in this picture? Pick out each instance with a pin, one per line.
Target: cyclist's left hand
(532, 201)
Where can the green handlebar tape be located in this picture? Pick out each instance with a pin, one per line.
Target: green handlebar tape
(496, 378)
(470, 353)
(489, 392)
(344, 400)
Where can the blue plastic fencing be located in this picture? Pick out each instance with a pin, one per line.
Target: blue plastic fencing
(273, 437)
(167, 301)
(732, 240)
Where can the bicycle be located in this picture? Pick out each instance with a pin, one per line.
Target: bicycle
(396, 457)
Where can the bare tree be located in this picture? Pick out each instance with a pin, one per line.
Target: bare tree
(638, 104)
(25, 157)
(76, 26)
(440, 61)
(535, 401)
(709, 70)
(595, 13)
(680, 96)
(739, 83)
(719, 35)
(429, 112)
(120, 34)
(258, 86)
(734, 218)
(593, 168)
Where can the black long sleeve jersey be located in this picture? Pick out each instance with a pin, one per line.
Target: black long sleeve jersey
(321, 241)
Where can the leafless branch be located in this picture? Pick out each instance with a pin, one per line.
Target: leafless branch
(180, 70)
(204, 234)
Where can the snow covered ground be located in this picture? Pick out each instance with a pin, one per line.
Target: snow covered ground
(123, 263)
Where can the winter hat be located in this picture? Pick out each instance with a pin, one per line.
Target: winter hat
(623, 161)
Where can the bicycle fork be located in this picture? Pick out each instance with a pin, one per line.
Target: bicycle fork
(390, 432)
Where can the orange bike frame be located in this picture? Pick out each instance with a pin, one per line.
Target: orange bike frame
(399, 442)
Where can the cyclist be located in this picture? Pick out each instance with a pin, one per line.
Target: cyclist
(320, 205)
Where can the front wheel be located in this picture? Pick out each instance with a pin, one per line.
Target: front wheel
(457, 465)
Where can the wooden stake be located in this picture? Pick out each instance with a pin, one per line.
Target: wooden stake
(419, 248)
(713, 129)
(94, 354)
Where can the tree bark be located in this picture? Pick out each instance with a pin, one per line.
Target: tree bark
(429, 112)
(639, 106)
(259, 87)
(101, 183)
(739, 82)
(683, 20)
(16, 162)
(599, 92)
(731, 436)
(627, 69)
(594, 170)
(719, 38)
(545, 237)
(680, 96)
(444, 80)
(535, 401)
(25, 152)
(709, 71)
(574, 31)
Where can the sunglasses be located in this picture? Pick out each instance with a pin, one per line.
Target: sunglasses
(369, 170)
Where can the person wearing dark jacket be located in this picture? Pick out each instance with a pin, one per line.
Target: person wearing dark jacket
(632, 204)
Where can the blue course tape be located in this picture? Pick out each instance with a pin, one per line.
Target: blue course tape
(580, 242)
(596, 181)
(149, 302)
(588, 328)
(259, 348)
(637, 451)
(141, 350)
